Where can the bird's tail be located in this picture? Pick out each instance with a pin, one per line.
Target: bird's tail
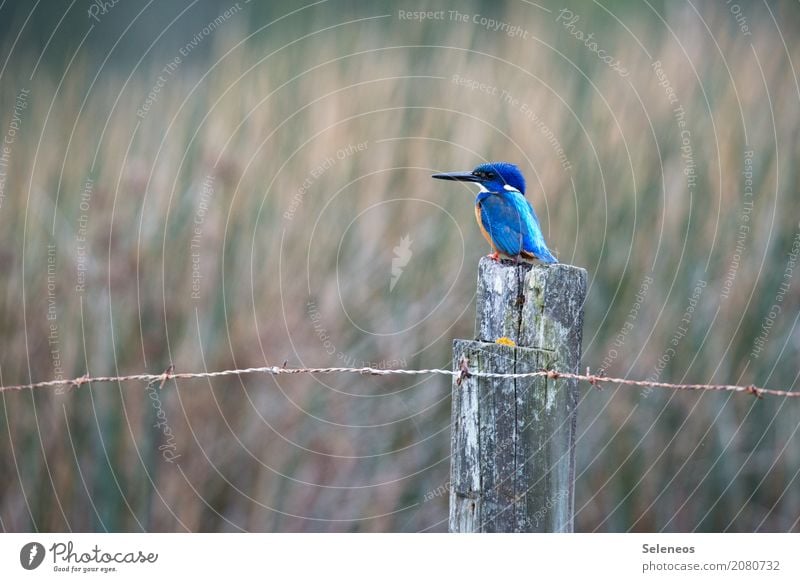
(546, 256)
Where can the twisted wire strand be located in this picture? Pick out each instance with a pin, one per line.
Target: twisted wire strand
(461, 374)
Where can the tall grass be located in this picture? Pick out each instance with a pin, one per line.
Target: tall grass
(201, 250)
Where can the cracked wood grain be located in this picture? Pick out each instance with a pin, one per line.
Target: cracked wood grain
(513, 440)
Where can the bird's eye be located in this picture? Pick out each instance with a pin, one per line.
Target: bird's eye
(490, 175)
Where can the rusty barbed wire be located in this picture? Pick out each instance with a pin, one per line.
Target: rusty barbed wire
(460, 375)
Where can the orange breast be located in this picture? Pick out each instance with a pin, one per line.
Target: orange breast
(483, 230)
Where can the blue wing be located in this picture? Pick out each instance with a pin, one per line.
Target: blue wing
(512, 224)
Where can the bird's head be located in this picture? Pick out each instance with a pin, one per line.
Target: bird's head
(493, 176)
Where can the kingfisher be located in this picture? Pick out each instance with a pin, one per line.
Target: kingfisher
(505, 217)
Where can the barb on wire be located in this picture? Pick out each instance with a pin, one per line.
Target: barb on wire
(460, 376)
(463, 370)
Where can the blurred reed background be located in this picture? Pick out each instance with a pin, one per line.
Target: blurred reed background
(243, 206)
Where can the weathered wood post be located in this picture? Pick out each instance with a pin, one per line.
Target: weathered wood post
(513, 440)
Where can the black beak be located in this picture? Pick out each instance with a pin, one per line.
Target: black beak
(457, 176)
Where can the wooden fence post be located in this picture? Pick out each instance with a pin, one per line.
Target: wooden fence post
(513, 440)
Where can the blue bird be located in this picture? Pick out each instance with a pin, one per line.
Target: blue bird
(505, 217)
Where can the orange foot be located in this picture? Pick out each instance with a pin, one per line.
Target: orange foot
(495, 256)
